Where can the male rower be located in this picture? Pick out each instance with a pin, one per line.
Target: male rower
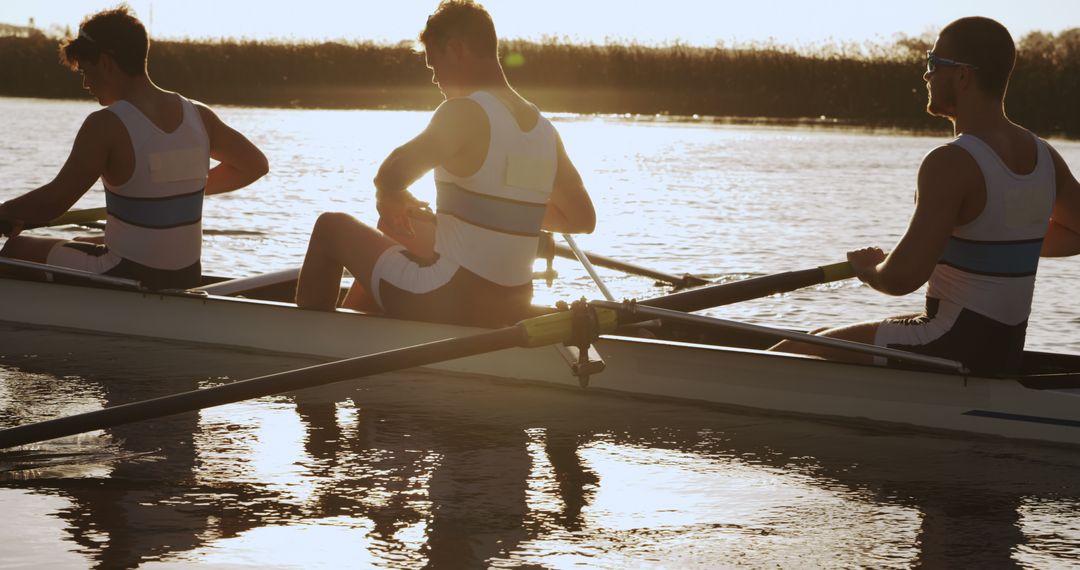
(988, 204)
(501, 175)
(151, 148)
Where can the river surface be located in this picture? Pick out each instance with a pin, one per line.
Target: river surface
(413, 469)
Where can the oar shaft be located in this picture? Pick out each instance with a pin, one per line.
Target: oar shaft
(318, 375)
(242, 284)
(636, 312)
(753, 288)
(587, 263)
(609, 263)
(78, 217)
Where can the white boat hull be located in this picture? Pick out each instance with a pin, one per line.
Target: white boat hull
(666, 369)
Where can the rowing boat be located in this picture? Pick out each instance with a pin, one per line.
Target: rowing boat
(665, 360)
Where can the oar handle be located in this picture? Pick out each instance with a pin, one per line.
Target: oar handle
(837, 271)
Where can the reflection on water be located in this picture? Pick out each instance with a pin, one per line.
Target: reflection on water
(415, 470)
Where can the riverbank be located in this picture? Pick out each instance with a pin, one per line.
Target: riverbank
(872, 85)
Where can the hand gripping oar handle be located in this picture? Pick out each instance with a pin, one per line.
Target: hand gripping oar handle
(534, 332)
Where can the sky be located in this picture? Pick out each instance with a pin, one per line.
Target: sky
(700, 22)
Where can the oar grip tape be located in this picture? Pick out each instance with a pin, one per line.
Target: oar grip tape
(837, 272)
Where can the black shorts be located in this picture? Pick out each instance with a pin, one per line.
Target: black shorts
(950, 331)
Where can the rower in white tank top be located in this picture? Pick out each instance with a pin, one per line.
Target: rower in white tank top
(154, 225)
(489, 222)
(979, 295)
(989, 264)
(155, 218)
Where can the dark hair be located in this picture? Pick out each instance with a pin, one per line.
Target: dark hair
(463, 20)
(116, 32)
(988, 46)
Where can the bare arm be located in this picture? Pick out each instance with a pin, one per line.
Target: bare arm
(240, 161)
(85, 164)
(948, 176)
(570, 210)
(451, 127)
(1063, 236)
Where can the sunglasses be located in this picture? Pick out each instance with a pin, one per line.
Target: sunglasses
(933, 61)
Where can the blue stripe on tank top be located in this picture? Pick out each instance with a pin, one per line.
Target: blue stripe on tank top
(1002, 258)
(489, 212)
(157, 213)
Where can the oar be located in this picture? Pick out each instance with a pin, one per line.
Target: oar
(547, 249)
(76, 217)
(753, 288)
(67, 218)
(534, 332)
(634, 312)
(679, 281)
(244, 284)
(584, 259)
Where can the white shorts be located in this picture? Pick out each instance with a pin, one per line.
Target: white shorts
(443, 291)
(918, 330)
(396, 267)
(83, 256)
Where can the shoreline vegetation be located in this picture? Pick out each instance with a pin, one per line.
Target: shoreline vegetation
(872, 85)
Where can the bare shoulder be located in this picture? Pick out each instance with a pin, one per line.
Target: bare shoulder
(209, 118)
(949, 168)
(459, 112)
(102, 123)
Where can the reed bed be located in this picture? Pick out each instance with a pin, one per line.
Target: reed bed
(869, 84)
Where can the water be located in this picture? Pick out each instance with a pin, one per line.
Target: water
(414, 469)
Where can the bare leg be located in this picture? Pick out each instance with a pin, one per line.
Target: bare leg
(338, 241)
(29, 248)
(861, 332)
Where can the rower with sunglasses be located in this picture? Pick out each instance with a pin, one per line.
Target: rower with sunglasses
(989, 203)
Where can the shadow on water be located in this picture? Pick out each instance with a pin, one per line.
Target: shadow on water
(421, 470)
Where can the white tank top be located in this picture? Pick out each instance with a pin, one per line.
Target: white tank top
(155, 218)
(989, 264)
(489, 223)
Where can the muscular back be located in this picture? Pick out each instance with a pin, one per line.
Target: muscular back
(164, 110)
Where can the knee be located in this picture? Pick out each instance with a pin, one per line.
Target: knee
(332, 226)
(332, 221)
